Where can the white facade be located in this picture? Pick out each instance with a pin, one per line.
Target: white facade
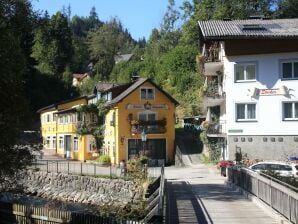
(269, 108)
(267, 132)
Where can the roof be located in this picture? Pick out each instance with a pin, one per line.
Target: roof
(122, 57)
(103, 86)
(47, 108)
(54, 106)
(79, 76)
(134, 86)
(73, 109)
(252, 28)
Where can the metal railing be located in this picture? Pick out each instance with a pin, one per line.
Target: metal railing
(279, 195)
(217, 127)
(90, 169)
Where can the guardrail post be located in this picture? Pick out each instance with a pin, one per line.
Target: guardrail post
(57, 167)
(47, 166)
(94, 169)
(81, 169)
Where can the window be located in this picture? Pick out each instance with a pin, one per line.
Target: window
(245, 72)
(75, 144)
(54, 142)
(61, 142)
(66, 119)
(48, 118)
(48, 142)
(290, 110)
(54, 117)
(245, 111)
(147, 94)
(60, 119)
(289, 69)
(147, 116)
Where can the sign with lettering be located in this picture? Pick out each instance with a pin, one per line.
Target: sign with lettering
(146, 106)
(269, 92)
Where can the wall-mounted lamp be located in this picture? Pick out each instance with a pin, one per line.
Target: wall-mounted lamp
(122, 139)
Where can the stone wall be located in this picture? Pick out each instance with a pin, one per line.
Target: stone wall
(81, 189)
(264, 147)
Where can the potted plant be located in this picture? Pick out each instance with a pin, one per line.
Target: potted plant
(224, 164)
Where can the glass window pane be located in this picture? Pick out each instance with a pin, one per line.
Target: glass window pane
(143, 93)
(296, 110)
(240, 111)
(151, 117)
(288, 110)
(287, 70)
(239, 72)
(251, 111)
(296, 69)
(142, 117)
(250, 72)
(150, 95)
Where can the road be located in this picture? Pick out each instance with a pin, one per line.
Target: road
(198, 194)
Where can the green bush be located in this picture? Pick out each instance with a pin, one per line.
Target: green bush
(103, 159)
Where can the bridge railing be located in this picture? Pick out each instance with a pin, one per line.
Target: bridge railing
(278, 195)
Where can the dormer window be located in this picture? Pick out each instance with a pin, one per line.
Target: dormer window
(252, 27)
(147, 93)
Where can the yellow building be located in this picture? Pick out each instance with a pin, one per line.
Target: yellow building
(140, 121)
(58, 127)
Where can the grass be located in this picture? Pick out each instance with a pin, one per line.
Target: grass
(206, 160)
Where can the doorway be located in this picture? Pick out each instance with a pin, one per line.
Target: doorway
(67, 146)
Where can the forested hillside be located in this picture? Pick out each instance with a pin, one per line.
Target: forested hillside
(40, 52)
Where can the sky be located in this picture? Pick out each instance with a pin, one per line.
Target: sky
(138, 16)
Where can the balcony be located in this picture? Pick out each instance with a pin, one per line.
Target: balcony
(151, 127)
(211, 63)
(213, 95)
(216, 129)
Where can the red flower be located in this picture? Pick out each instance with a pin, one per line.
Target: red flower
(225, 163)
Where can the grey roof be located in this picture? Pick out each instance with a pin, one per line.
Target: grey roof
(275, 29)
(122, 57)
(104, 86)
(134, 86)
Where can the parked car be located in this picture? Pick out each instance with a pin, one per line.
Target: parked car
(281, 168)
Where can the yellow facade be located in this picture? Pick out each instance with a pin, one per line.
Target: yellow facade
(118, 132)
(140, 109)
(58, 126)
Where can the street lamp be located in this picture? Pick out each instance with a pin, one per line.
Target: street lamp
(144, 139)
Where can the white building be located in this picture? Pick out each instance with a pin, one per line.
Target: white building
(251, 87)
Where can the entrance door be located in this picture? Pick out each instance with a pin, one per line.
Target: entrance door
(67, 146)
(153, 148)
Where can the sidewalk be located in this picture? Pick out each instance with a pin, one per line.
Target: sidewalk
(198, 194)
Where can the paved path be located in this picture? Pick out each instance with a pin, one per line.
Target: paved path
(199, 194)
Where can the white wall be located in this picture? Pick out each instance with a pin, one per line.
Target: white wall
(269, 108)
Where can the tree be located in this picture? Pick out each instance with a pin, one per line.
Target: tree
(287, 9)
(104, 43)
(53, 45)
(14, 106)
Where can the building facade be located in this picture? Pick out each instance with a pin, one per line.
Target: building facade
(140, 121)
(251, 86)
(58, 128)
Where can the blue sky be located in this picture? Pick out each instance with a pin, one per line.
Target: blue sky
(138, 16)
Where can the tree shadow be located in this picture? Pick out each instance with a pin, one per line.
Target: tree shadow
(183, 206)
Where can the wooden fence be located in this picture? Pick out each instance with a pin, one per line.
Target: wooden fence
(154, 209)
(280, 196)
(23, 214)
